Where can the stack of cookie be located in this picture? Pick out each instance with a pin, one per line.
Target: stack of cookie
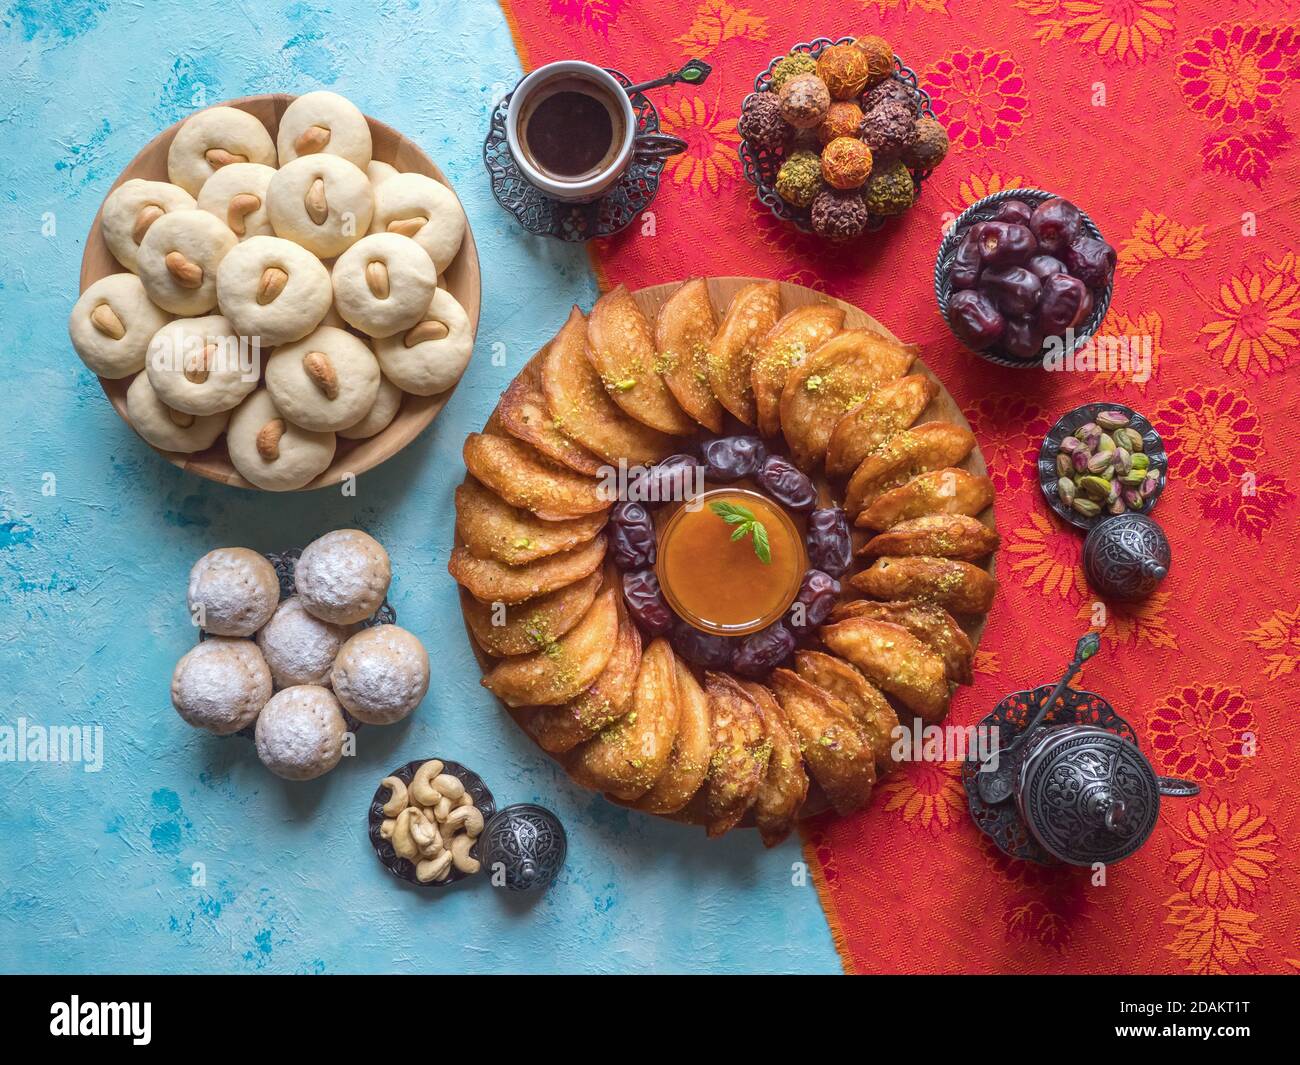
(306, 248)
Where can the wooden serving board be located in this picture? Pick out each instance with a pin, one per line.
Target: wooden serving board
(462, 280)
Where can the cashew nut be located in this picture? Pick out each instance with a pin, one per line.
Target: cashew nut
(465, 800)
(377, 279)
(180, 418)
(408, 227)
(197, 370)
(470, 818)
(422, 789)
(449, 786)
(271, 284)
(433, 868)
(219, 157)
(460, 856)
(425, 835)
(312, 139)
(432, 329)
(144, 218)
(243, 204)
(320, 371)
(268, 439)
(386, 828)
(106, 321)
(185, 272)
(317, 206)
(397, 800)
(404, 844)
(442, 809)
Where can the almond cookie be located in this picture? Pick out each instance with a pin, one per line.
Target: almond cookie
(322, 202)
(381, 674)
(383, 284)
(325, 122)
(423, 209)
(298, 647)
(179, 257)
(112, 323)
(388, 400)
(199, 365)
(326, 381)
(300, 732)
(232, 591)
(215, 138)
(221, 685)
(132, 208)
(236, 194)
(273, 289)
(429, 357)
(167, 428)
(273, 453)
(343, 576)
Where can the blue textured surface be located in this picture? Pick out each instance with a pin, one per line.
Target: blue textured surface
(96, 869)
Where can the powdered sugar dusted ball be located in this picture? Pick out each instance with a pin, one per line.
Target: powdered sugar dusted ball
(221, 685)
(233, 591)
(299, 648)
(381, 674)
(300, 732)
(343, 577)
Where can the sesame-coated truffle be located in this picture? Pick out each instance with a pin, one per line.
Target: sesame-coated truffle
(839, 215)
(845, 70)
(889, 190)
(800, 179)
(793, 65)
(761, 123)
(804, 101)
(889, 129)
(880, 57)
(842, 120)
(931, 144)
(846, 163)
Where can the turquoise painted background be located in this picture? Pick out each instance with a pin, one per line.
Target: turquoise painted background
(96, 869)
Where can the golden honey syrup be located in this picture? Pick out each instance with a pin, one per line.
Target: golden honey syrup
(719, 584)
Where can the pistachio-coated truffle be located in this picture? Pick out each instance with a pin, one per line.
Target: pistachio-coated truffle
(846, 163)
(800, 179)
(889, 190)
(845, 70)
(839, 215)
(889, 129)
(805, 101)
(761, 123)
(793, 65)
(931, 144)
(880, 57)
(842, 120)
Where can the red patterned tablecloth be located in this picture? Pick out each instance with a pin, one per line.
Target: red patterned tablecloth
(1171, 123)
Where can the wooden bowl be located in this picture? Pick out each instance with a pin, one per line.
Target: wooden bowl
(942, 408)
(461, 279)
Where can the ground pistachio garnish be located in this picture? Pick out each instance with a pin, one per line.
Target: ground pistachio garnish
(813, 383)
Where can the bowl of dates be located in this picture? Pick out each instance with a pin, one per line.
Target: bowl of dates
(1023, 277)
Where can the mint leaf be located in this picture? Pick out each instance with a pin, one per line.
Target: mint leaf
(732, 513)
(745, 523)
(762, 547)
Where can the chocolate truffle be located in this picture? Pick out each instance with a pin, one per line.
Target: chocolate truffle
(846, 163)
(842, 120)
(931, 144)
(792, 66)
(761, 123)
(889, 190)
(800, 179)
(880, 57)
(804, 101)
(889, 129)
(844, 69)
(889, 89)
(839, 215)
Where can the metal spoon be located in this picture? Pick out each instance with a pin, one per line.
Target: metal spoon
(996, 785)
(694, 72)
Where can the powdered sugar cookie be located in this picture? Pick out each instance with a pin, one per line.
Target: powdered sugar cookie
(381, 674)
(343, 576)
(179, 257)
(322, 202)
(236, 194)
(298, 647)
(300, 732)
(423, 209)
(378, 172)
(199, 365)
(273, 289)
(232, 591)
(167, 428)
(215, 138)
(221, 685)
(132, 208)
(430, 356)
(112, 323)
(383, 284)
(270, 451)
(327, 380)
(325, 122)
(388, 400)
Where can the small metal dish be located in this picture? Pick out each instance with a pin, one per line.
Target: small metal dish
(1153, 448)
(400, 867)
(982, 211)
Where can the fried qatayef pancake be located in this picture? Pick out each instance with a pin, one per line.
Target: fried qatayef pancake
(932, 446)
(561, 670)
(888, 410)
(524, 413)
(946, 491)
(557, 729)
(895, 661)
(869, 707)
(531, 625)
(627, 758)
(683, 332)
(753, 311)
(621, 347)
(795, 336)
(785, 784)
(930, 624)
(957, 586)
(831, 382)
(739, 753)
(941, 535)
(523, 478)
(582, 409)
(492, 582)
(491, 528)
(836, 749)
(688, 764)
